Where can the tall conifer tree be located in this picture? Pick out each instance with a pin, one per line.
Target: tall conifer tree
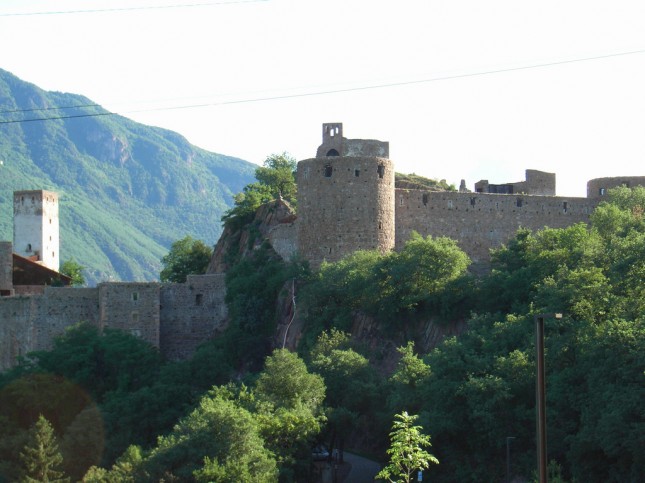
(40, 457)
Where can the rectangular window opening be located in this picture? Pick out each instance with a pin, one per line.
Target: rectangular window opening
(381, 170)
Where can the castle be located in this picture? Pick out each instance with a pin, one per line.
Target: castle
(347, 200)
(175, 317)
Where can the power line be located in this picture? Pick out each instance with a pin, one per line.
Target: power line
(71, 116)
(129, 9)
(79, 106)
(329, 91)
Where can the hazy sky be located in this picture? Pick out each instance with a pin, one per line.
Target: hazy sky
(469, 88)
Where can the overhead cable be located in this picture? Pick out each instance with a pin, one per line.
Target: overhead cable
(330, 91)
(129, 9)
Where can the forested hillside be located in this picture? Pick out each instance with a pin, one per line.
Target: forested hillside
(127, 191)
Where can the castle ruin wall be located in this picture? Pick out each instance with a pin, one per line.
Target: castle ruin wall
(6, 268)
(597, 188)
(283, 239)
(132, 307)
(30, 323)
(535, 183)
(480, 221)
(191, 313)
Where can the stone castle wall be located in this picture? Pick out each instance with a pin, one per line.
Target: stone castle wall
(536, 183)
(191, 313)
(30, 323)
(481, 221)
(597, 188)
(6, 268)
(132, 307)
(344, 204)
(172, 317)
(283, 239)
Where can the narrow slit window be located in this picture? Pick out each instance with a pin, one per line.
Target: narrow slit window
(328, 171)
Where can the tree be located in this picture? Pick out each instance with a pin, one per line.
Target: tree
(74, 270)
(40, 456)
(285, 382)
(83, 442)
(275, 179)
(186, 257)
(278, 174)
(289, 411)
(411, 372)
(406, 450)
(218, 441)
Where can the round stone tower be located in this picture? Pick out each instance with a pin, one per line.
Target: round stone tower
(345, 203)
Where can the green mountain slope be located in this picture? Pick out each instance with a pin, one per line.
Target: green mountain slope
(127, 191)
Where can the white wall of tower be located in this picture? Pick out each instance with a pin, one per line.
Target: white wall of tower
(36, 226)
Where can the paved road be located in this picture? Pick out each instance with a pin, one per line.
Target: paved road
(362, 471)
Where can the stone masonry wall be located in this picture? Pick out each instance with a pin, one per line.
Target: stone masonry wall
(191, 313)
(344, 204)
(597, 188)
(30, 323)
(283, 239)
(6, 268)
(132, 307)
(480, 221)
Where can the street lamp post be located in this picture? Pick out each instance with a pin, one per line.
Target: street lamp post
(540, 393)
(508, 458)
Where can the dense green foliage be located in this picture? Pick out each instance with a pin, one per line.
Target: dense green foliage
(411, 283)
(276, 178)
(127, 191)
(253, 286)
(166, 420)
(73, 270)
(186, 257)
(238, 435)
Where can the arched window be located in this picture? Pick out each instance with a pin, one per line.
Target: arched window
(333, 152)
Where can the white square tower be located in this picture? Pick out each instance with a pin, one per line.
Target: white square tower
(35, 227)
